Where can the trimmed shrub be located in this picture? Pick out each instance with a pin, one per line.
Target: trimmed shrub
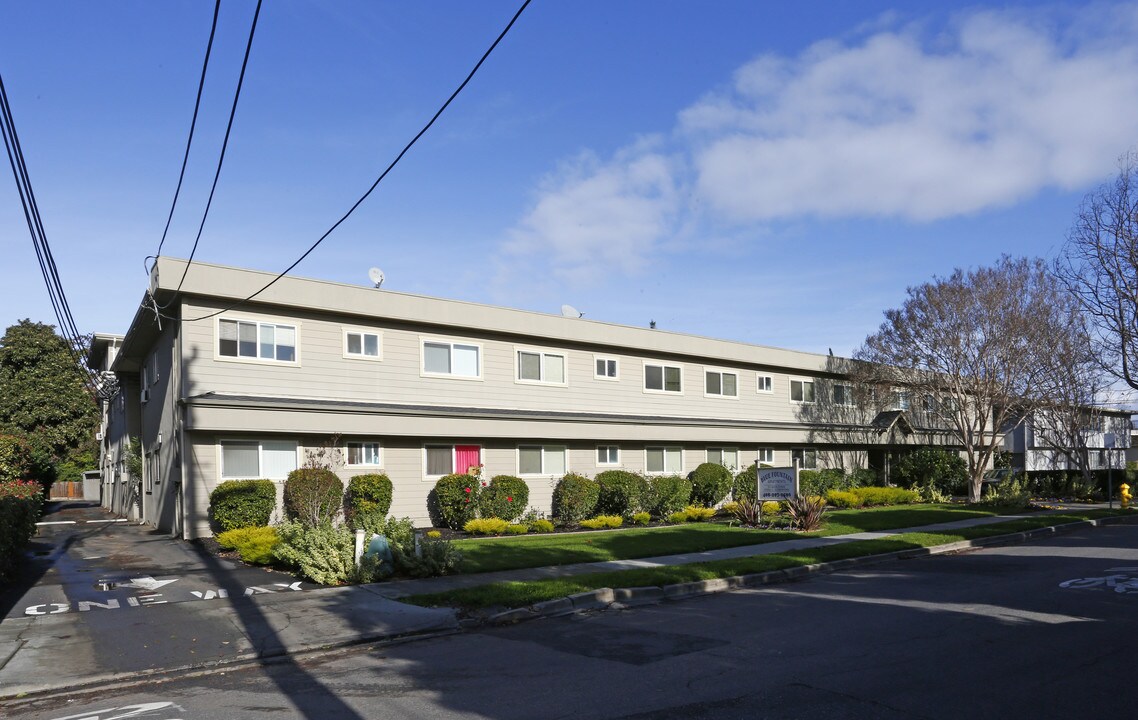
(517, 529)
(820, 482)
(710, 484)
(367, 501)
(677, 518)
(874, 496)
(485, 526)
(575, 498)
(932, 467)
(641, 518)
(667, 494)
(323, 554)
(771, 507)
(456, 500)
(541, 526)
(694, 513)
(21, 502)
(254, 544)
(505, 497)
(243, 503)
(844, 499)
(622, 492)
(603, 521)
(746, 483)
(16, 460)
(313, 496)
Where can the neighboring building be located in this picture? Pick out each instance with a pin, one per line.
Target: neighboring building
(119, 422)
(1101, 441)
(419, 387)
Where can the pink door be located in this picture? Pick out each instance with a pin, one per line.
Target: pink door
(466, 457)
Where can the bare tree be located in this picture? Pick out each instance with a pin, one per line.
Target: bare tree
(978, 344)
(1099, 265)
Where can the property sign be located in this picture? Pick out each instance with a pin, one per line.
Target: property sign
(778, 483)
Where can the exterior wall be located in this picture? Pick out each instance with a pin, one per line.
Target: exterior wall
(159, 434)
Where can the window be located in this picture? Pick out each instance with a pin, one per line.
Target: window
(460, 360)
(843, 395)
(807, 458)
(663, 378)
(362, 344)
(802, 391)
(363, 453)
(727, 457)
(538, 460)
(605, 368)
(664, 459)
(608, 455)
(541, 367)
(724, 384)
(766, 383)
(273, 459)
(766, 455)
(446, 459)
(256, 340)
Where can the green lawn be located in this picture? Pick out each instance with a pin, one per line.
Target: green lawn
(485, 555)
(520, 594)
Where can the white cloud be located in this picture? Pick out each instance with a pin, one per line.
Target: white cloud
(900, 122)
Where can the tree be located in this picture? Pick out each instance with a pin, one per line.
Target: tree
(43, 397)
(977, 344)
(1099, 265)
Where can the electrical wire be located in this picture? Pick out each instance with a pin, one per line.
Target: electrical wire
(221, 156)
(193, 124)
(375, 184)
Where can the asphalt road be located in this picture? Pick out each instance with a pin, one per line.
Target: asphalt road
(987, 634)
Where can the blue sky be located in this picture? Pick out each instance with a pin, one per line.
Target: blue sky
(770, 173)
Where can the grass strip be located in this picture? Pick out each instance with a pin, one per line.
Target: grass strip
(521, 594)
(486, 555)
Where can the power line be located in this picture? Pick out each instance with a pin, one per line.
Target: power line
(193, 124)
(221, 156)
(375, 184)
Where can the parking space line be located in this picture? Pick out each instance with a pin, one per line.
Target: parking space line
(106, 521)
(57, 522)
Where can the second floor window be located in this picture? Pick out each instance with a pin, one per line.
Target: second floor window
(663, 378)
(455, 359)
(725, 384)
(257, 340)
(542, 367)
(361, 344)
(843, 395)
(802, 391)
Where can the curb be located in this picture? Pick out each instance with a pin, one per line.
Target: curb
(621, 598)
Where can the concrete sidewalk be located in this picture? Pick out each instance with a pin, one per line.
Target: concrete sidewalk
(67, 649)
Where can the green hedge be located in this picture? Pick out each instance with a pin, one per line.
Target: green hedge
(667, 494)
(16, 461)
(455, 500)
(242, 503)
(367, 501)
(622, 493)
(575, 498)
(21, 502)
(506, 497)
(745, 486)
(313, 496)
(710, 484)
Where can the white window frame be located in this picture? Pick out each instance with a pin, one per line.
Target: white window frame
(260, 458)
(363, 444)
(606, 359)
(451, 342)
(663, 378)
(363, 333)
(723, 449)
(609, 463)
(542, 354)
(813, 390)
(665, 449)
(720, 372)
(259, 322)
(804, 451)
(849, 402)
(769, 382)
(545, 450)
(765, 455)
(452, 446)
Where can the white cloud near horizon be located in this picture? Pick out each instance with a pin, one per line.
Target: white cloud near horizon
(899, 123)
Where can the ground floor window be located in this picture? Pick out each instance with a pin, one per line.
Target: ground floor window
(807, 458)
(766, 455)
(363, 453)
(272, 459)
(541, 460)
(664, 459)
(448, 459)
(608, 455)
(727, 457)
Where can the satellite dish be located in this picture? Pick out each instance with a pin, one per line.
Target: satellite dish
(376, 276)
(571, 312)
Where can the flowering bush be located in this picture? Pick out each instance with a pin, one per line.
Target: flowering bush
(20, 504)
(505, 496)
(455, 500)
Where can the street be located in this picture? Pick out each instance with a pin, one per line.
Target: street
(987, 634)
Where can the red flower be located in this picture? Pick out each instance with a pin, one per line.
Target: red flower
(509, 499)
(483, 484)
(467, 490)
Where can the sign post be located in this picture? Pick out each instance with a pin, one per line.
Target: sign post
(776, 484)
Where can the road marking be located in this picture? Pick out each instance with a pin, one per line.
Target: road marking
(146, 583)
(57, 522)
(1119, 583)
(152, 598)
(127, 711)
(107, 521)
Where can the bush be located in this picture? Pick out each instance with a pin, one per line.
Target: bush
(243, 503)
(863, 477)
(820, 482)
(677, 518)
(323, 554)
(875, 496)
(772, 507)
(622, 492)
(313, 496)
(541, 526)
(746, 483)
(254, 544)
(517, 529)
(710, 484)
(806, 512)
(641, 518)
(485, 526)
(932, 467)
(1010, 494)
(505, 497)
(20, 504)
(667, 494)
(603, 521)
(16, 462)
(456, 499)
(575, 498)
(843, 499)
(435, 557)
(367, 501)
(745, 510)
(695, 513)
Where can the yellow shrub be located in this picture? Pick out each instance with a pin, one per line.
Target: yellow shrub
(603, 521)
(517, 529)
(844, 499)
(698, 514)
(434, 534)
(486, 526)
(771, 507)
